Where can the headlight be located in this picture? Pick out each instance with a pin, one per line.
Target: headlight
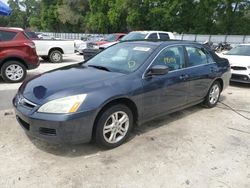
(63, 105)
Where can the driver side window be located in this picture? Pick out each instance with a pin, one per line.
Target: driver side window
(173, 57)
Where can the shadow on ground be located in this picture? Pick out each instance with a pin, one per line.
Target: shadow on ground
(91, 149)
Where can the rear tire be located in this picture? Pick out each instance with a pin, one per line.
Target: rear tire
(213, 95)
(13, 71)
(55, 56)
(113, 126)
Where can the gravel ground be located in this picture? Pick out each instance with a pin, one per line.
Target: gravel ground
(196, 148)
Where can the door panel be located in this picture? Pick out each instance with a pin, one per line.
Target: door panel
(166, 92)
(201, 70)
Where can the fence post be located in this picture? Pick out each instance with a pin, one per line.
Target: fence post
(244, 38)
(225, 38)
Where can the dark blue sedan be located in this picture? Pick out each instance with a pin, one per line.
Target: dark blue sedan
(127, 84)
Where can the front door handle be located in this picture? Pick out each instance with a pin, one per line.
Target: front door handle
(184, 77)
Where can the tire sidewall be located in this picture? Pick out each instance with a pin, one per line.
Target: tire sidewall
(8, 63)
(51, 54)
(99, 138)
(207, 101)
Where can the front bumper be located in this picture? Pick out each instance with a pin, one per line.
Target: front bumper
(54, 128)
(240, 78)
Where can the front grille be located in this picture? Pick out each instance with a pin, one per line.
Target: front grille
(47, 131)
(240, 77)
(238, 68)
(90, 45)
(24, 124)
(20, 100)
(28, 104)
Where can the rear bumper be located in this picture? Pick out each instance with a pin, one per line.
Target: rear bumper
(33, 62)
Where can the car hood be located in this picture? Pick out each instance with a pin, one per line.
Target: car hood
(236, 60)
(101, 42)
(66, 81)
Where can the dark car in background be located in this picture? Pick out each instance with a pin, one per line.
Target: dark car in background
(17, 54)
(126, 84)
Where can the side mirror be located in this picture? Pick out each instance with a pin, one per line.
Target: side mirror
(158, 70)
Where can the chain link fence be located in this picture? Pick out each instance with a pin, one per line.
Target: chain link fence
(231, 39)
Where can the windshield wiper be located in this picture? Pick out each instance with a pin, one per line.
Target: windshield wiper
(100, 67)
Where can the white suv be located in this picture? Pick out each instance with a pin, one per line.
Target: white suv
(140, 35)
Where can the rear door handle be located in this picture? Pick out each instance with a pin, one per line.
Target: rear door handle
(184, 77)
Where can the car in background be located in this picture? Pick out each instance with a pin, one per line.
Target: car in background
(45, 36)
(91, 48)
(17, 54)
(31, 34)
(82, 44)
(134, 35)
(53, 50)
(239, 58)
(127, 84)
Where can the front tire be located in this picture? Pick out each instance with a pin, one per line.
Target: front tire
(55, 56)
(213, 95)
(113, 126)
(13, 71)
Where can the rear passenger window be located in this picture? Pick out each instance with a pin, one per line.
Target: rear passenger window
(172, 57)
(7, 35)
(196, 56)
(153, 36)
(164, 36)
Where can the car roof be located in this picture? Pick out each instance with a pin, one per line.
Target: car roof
(159, 42)
(16, 29)
(245, 44)
(148, 32)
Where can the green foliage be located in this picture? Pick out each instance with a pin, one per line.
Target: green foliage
(106, 16)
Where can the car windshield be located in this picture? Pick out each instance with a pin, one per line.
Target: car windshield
(134, 36)
(122, 57)
(110, 38)
(243, 50)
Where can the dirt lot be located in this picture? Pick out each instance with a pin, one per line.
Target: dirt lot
(196, 147)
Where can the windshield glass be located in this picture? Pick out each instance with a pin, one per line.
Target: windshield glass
(110, 38)
(134, 36)
(122, 57)
(243, 50)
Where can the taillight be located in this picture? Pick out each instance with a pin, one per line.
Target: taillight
(31, 45)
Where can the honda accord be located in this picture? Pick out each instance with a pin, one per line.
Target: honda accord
(123, 86)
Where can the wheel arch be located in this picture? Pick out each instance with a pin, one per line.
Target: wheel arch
(123, 100)
(221, 82)
(13, 59)
(56, 48)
